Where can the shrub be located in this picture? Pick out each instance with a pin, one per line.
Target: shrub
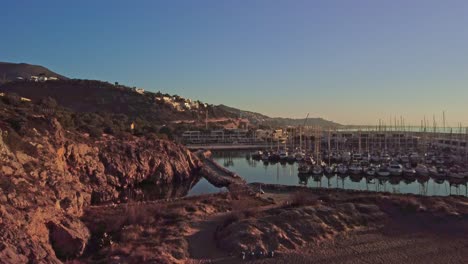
(166, 131)
(12, 99)
(301, 198)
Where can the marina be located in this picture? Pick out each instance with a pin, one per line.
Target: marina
(287, 173)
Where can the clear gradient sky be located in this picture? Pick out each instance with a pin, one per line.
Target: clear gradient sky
(349, 61)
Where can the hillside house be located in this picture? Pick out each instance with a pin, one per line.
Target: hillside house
(139, 90)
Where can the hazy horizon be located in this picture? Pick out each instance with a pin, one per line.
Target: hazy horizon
(349, 62)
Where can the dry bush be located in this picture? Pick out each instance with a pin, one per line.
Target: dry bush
(245, 203)
(409, 205)
(231, 218)
(301, 198)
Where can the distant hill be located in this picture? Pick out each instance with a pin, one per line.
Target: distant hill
(89, 96)
(258, 118)
(10, 71)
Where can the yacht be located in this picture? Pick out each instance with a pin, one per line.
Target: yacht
(317, 170)
(355, 169)
(414, 157)
(385, 157)
(303, 168)
(291, 158)
(408, 171)
(329, 170)
(404, 158)
(375, 158)
(422, 170)
(342, 169)
(283, 155)
(370, 171)
(457, 173)
(346, 157)
(395, 169)
(299, 156)
(357, 156)
(257, 155)
(383, 171)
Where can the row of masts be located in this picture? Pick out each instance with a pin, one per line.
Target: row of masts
(382, 139)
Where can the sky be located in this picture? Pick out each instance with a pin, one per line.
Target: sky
(353, 62)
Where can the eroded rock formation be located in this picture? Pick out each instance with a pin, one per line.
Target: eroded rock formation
(49, 175)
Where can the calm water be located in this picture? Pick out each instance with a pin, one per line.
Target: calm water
(286, 174)
(204, 187)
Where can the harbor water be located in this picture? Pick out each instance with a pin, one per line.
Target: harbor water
(287, 174)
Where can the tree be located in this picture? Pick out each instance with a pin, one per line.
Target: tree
(166, 131)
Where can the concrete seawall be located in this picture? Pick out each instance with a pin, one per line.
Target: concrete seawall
(227, 147)
(220, 176)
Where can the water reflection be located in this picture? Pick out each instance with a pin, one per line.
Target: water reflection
(287, 174)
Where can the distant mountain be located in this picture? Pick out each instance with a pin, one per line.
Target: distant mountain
(251, 116)
(258, 118)
(10, 71)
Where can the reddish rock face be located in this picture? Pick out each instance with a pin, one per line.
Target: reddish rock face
(68, 239)
(48, 176)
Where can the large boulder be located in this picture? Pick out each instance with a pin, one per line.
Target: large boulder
(68, 238)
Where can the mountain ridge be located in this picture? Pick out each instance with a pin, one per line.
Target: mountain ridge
(93, 95)
(279, 121)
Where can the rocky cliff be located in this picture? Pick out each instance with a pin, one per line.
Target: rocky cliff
(48, 176)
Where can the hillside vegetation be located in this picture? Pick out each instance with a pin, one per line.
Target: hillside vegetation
(106, 105)
(10, 71)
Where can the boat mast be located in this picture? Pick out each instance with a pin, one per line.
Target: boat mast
(329, 145)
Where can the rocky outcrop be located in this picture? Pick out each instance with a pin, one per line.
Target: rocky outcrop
(48, 176)
(68, 239)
